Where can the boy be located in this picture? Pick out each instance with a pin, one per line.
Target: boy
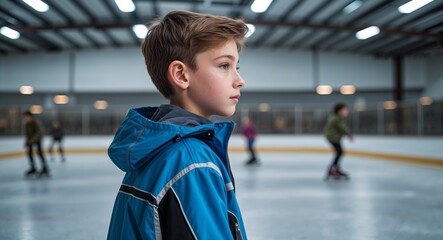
(34, 135)
(178, 182)
(335, 129)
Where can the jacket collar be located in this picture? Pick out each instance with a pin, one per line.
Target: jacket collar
(139, 137)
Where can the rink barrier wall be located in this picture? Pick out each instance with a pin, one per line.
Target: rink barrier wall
(429, 161)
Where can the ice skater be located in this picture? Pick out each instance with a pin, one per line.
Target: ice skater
(334, 130)
(34, 135)
(250, 133)
(57, 138)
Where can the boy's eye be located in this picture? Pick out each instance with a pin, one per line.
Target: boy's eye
(224, 66)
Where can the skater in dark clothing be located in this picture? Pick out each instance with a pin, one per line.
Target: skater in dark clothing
(57, 138)
(34, 135)
(334, 130)
(250, 133)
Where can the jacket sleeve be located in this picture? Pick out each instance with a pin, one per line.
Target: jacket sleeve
(341, 126)
(195, 207)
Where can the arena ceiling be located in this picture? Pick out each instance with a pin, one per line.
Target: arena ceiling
(322, 25)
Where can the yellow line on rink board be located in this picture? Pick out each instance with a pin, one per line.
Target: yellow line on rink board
(437, 162)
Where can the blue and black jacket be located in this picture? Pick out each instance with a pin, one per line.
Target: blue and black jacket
(178, 182)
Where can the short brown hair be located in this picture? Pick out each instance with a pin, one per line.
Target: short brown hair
(338, 107)
(181, 35)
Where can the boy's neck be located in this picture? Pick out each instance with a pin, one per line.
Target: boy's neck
(187, 107)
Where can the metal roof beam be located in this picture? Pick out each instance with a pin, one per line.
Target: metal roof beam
(35, 37)
(368, 42)
(13, 45)
(424, 14)
(60, 12)
(434, 27)
(116, 16)
(3, 51)
(240, 7)
(423, 47)
(389, 42)
(338, 40)
(155, 8)
(379, 38)
(410, 48)
(90, 39)
(318, 9)
(361, 16)
(93, 19)
(270, 31)
(31, 11)
(331, 27)
(312, 33)
(68, 19)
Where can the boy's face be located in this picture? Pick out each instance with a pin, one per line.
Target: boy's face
(27, 118)
(214, 88)
(344, 112)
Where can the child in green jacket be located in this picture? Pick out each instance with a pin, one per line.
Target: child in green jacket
(34, 135)
(334, 130)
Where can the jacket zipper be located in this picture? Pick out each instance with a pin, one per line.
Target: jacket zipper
(204, 134)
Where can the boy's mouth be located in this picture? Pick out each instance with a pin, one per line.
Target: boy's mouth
(236, 97)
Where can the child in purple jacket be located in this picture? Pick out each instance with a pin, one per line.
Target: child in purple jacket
(248, 130)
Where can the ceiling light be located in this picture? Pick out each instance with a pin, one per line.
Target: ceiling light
(347, 89)
(26, 90)
(324, 90)
(61, 99)
(140, 30)
(413, 5)
(259, 6)
(38, 5)
(251, 30)
(9, 32)
(36, 109)
(264, 107)
(352, 6)
(389, 105)
(425, 101)
(125, 5)
(367, 32)
(100, 104)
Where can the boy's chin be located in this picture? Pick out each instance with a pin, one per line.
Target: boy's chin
(226, 112)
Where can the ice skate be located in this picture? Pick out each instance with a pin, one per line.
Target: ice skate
(44, 173)
(342, 174)
(253, 162)
(336, 174)
(31, 173)
(332, 173)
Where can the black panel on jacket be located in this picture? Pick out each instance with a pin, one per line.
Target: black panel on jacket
(233, 225)
(172, 221)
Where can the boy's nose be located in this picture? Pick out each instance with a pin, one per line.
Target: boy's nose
(239, 81)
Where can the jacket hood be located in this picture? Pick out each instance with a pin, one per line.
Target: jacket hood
(147, 130)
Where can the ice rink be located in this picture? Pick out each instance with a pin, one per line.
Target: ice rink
(395, 191)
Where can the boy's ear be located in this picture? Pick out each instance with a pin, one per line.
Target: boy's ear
(177, 72)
